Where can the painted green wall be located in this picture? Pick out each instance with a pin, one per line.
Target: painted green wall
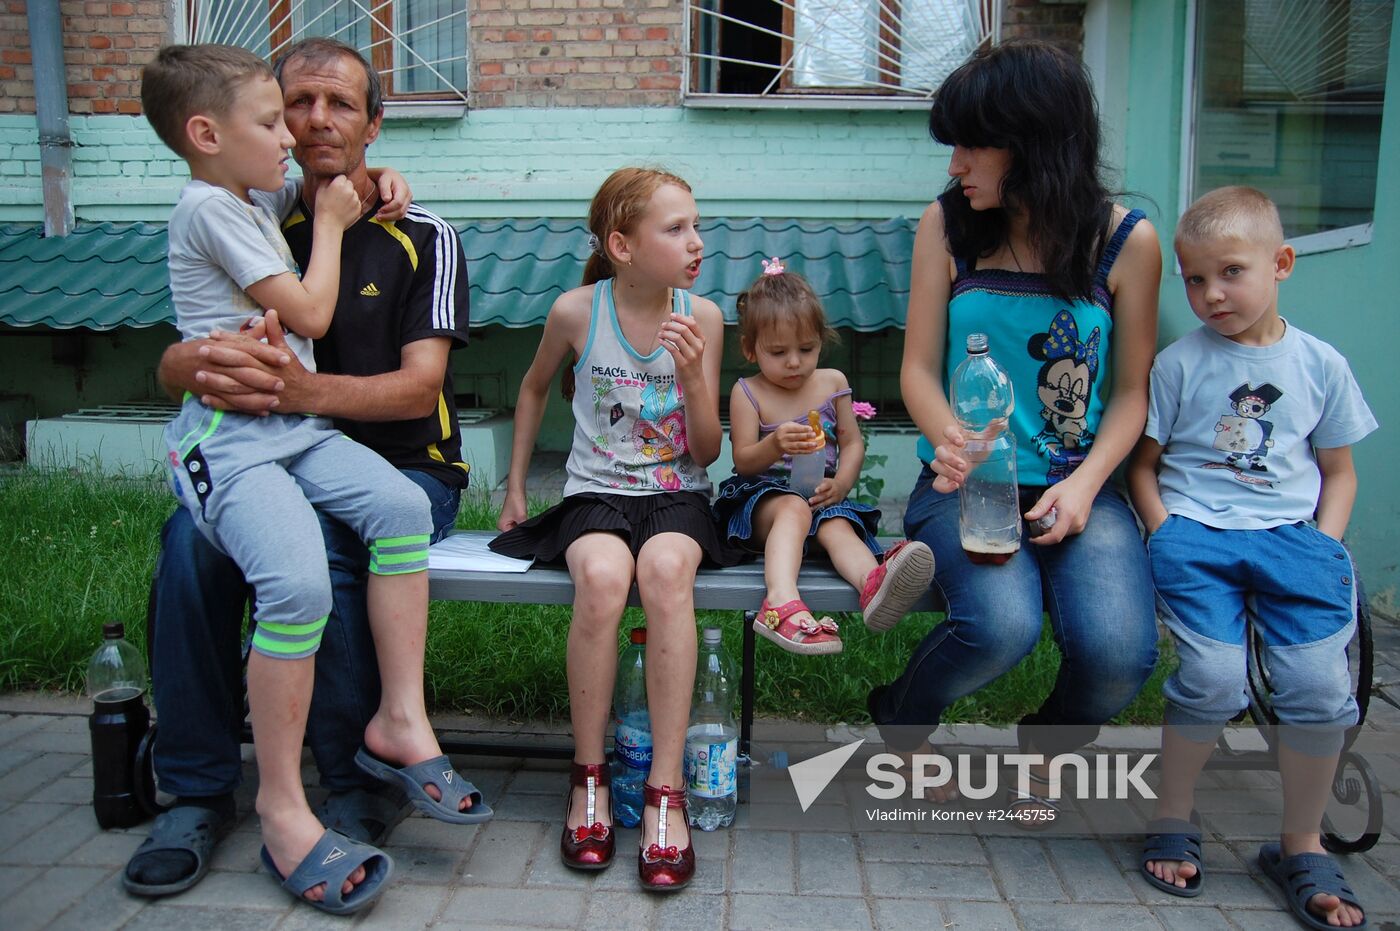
(831, 164)
(1346, 297)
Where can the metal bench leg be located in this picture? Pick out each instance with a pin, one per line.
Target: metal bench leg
(746, 686)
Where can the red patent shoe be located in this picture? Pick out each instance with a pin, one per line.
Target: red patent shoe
(589, 846)
(663, 867)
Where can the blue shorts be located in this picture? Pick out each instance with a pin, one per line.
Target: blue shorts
(1293, 584)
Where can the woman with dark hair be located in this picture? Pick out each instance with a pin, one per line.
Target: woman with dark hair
(1027, 246)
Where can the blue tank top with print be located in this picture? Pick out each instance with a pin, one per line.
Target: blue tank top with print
(1055, 351)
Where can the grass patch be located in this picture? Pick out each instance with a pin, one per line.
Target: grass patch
(82, 549)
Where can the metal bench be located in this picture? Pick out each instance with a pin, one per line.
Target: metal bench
(737, 588)
(741, 588)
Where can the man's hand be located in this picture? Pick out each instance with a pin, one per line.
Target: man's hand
(238, 373)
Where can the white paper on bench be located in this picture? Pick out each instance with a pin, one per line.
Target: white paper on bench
(469, 552)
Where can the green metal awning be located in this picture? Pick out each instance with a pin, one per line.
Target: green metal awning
(109, 275)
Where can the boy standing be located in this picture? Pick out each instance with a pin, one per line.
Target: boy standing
(220, 109)
(1247, 443)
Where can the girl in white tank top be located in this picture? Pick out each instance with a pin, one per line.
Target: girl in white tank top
(645, 390)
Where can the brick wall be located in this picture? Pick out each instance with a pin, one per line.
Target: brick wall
(525, 53)
(628, 53)
(1057, 21)
(105, 44)
(568, 53)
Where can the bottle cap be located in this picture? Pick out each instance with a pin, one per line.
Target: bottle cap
(977, 343)
(638, 634)
(814, 420)
(115, 630)
(712, 635)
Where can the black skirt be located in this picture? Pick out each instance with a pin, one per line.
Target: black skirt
(635, 518)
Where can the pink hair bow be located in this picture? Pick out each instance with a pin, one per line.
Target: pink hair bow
(773, 266)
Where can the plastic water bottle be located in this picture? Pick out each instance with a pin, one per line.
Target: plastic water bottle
(116, 680)
(712, 740)
(631, 732)
(989, 512)
(808, 469)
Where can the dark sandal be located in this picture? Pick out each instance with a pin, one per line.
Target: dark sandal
(365, 815)
(331, 861)
(439, 772)
(187, 829)
(1303, 876)
(1173, 839)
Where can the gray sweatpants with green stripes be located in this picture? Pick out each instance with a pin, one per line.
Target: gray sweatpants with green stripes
(254, 484)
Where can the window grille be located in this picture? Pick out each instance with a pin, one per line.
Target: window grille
(419, 47)
(1287, 96)
(741, 51)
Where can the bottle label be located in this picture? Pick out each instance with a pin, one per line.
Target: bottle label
(632, 745)
(711, 769)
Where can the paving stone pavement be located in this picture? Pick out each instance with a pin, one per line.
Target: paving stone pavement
(59, 870)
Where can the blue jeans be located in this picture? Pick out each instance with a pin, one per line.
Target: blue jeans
(196, 642)
(1293, 585)
(1097, 589)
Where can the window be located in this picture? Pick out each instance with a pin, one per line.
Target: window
(419, 47)
(743, 52)
(1288, 99)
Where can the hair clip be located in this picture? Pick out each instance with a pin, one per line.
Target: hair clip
(773, 266)
(594, 244)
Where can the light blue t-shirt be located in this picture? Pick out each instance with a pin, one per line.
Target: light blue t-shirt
(1239, 424)
(219, 245)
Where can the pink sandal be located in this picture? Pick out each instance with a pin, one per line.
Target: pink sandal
(893, 587)
(807, 637)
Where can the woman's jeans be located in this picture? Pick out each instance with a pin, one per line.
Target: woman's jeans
(1095, 585)
(196, 637)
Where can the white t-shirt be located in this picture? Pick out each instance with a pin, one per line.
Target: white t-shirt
(220, 245)
(1239, 424)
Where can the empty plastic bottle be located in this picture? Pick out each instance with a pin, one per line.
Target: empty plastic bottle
(631, 733)
(712, 740)
(989, 513)
(116, 681)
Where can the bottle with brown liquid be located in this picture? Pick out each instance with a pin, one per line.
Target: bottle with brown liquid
(116, 682)
(989, 513)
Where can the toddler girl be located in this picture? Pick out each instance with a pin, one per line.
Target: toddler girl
(636, 501)
(782, 329)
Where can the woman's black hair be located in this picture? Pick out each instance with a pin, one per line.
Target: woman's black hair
(1035, 100)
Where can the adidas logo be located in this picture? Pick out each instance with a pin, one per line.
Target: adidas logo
(369, 290)
(335, 854)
